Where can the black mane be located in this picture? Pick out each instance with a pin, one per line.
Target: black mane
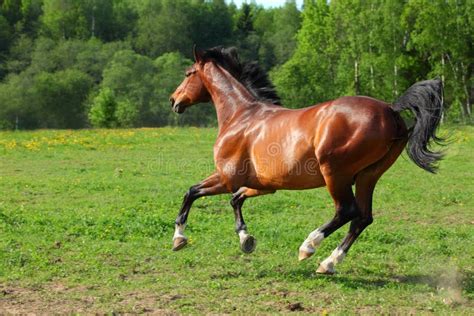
(254, 78)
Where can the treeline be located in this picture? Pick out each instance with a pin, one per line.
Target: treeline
(113, 63)
(380, 48)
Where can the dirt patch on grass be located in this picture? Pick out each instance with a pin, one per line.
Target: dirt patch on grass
(59, 299)
(17, 300)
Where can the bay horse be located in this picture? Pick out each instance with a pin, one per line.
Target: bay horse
(263, 147)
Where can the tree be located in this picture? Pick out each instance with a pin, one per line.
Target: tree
(31, 11)
(5, 40)
(447, 47)
(138, 50)
(211, 25)
(130, 77)
(306, 77)
(17, 102)
(83, 19)
(63, 19)
(11, 11)
(106, 111)
(126, 113)
(89, 56)
(247, 40)
(391, 46)
(60, 98)
(163, 26)
(286, 23)
(102, 110)
(19, 57)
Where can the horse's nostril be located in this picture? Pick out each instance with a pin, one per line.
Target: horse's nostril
(172, 101)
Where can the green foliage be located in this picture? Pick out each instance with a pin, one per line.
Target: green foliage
(247, 40)
(379, 49)
(83, 19)
(45, 100)
(130, 76)
(169, 16)
(447, 47)
(126, 113)
(5, 39)
(60, 98)
(102, 111)
(5, 34)
(303, 80)
(21, 50)
(331, 48)
(107, 112)
(286, 23)
(17, 102)
(183, 23)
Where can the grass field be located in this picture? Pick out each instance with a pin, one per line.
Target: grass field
(87, 217)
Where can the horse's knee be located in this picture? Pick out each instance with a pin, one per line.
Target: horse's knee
(238, 198)
(348, 212)
(365, 221)
(192, 193)
(360, 223)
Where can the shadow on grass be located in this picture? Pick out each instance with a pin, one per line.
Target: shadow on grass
(375, 282)
(463, 280)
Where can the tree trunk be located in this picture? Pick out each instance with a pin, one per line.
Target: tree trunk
(93, 20)
(442, 84)
(395, 83)
(356, 77)
(466, 93)
(372, 82)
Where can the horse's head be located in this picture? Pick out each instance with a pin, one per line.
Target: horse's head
(192, 89)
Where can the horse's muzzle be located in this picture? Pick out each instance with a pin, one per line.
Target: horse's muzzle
(179, 108)
(176, 106)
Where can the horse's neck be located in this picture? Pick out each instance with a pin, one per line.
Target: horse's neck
(229, 96)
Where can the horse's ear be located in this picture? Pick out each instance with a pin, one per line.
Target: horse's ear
(197, 54)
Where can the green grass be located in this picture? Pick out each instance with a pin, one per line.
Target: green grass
(87, 217)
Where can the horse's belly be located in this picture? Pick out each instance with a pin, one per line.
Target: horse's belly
(301, 172)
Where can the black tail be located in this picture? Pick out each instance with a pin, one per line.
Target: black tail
(425, 100)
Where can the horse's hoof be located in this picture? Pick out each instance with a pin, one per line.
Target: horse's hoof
(325, 270)
(248, 244)
(303, 255)
(179, 243)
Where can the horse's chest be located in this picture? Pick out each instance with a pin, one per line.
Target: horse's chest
(231, 158)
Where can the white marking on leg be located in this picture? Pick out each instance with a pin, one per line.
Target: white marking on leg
(179, 231)
(336, 257)
(243, 235)
(312, 242)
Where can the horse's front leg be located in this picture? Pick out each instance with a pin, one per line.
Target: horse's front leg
(212, 185)
(247, 242)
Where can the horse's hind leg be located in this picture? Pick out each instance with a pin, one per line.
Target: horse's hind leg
(340, 188)
(247, 242)
(210, 186)
(364, 191)
(365, 185)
